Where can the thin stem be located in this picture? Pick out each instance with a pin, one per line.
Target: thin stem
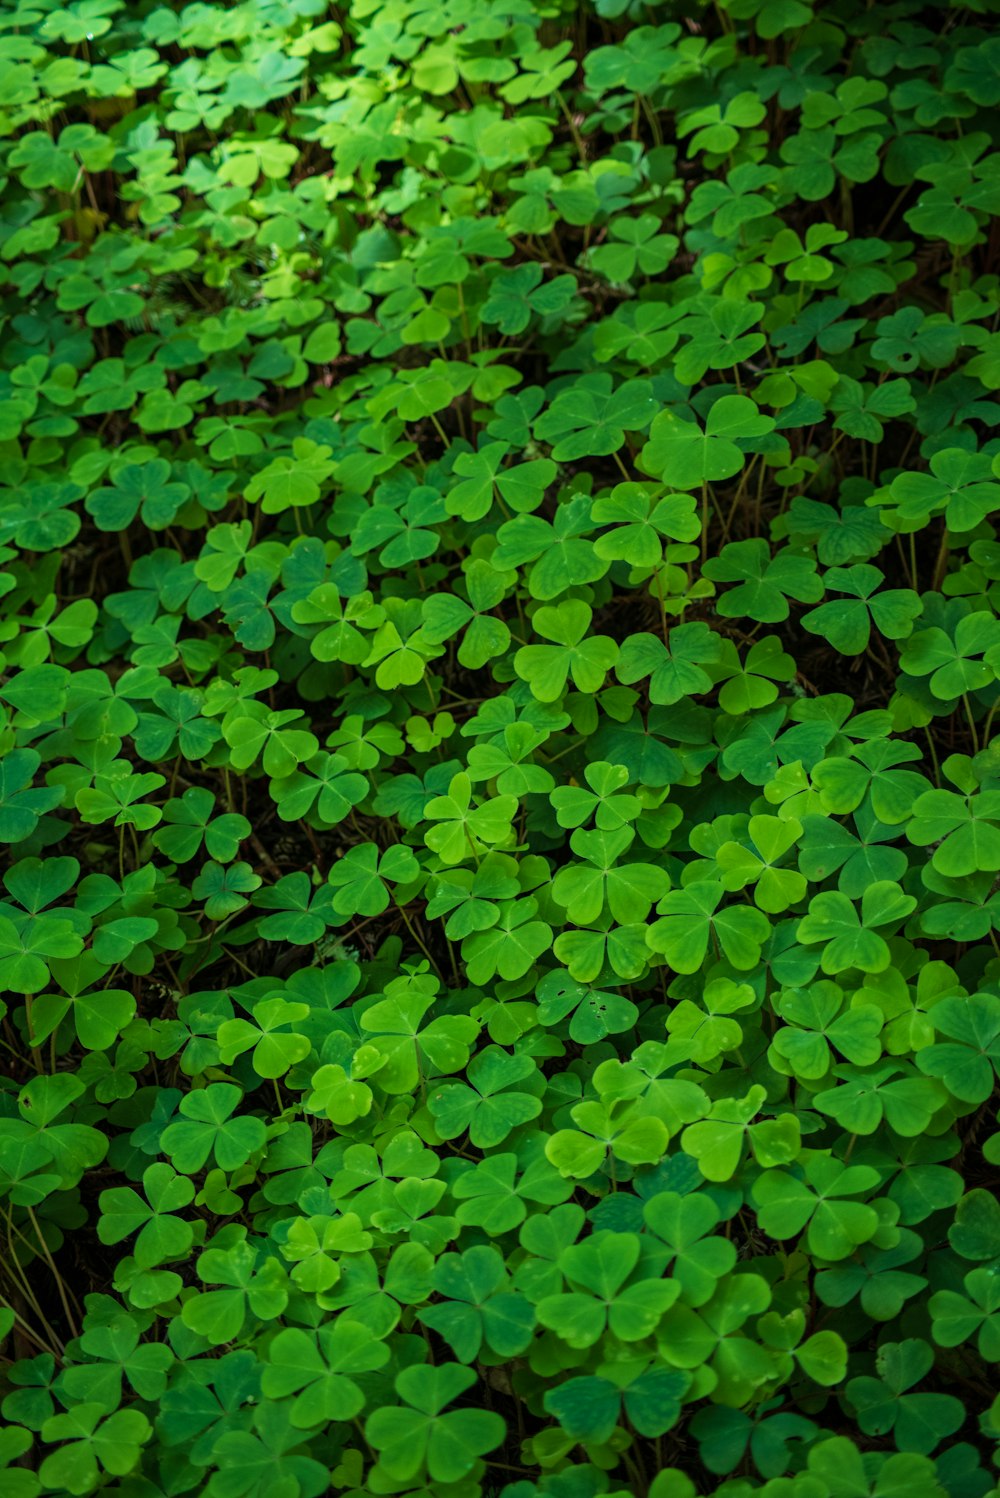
(418, 938)
(971, 721)
(64, 1292)
(941, 562)
(664, 626)
(624, 471)
(934, 758)
(578, 140)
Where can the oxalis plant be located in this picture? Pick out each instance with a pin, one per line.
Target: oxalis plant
(499, 594)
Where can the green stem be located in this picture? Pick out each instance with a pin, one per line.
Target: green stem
(664, 626)
(971, 722)
(934, 758)
(418, 938)
(577, 137)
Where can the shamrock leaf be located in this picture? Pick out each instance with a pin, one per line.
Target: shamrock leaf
(161, 1236)
(490, 1105)
(952, 659)
(300, 913)
(603, 799)
(676, 670)
(774, 888)
(575, 652)
(511, 945)
(21, 804)
(593, 1013)
(719, 340)
(976, 1314)
(959, 486)
(968, 1059)
(633, 246)
(405, 1046)
(690, 919)
(249, 1289)
(685, 457)
(765, 582)
(422, 1435)
(847, 624)
(964, 830)
(92, 1444)
(589, 1408)
(919, 1421)
(627, 890)
(208, 1129)
(591, 419)
(478, 1308)
(516, 294)
(139, 489)
(642, 522)
(316, 1367)
(851, 940)
(276, 1047)
(189, 823)
(700, 1259)
(362, 876)
(820, 1202)
(464, 830)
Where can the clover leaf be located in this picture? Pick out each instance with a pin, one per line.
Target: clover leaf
(208, 1129)
(851, 940)
(422, 1435)
(685, 456)
(819, 1202)
(848, 624)
(575, 652)
(919, 1421)
(690, 919)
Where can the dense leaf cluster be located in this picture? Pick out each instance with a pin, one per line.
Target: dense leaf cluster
(500, 650)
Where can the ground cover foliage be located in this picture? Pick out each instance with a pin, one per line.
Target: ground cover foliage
(500, 654)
